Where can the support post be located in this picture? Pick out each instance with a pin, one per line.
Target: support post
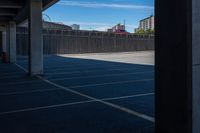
(35, 38)
(12, 42)
(196, 66)
(177, 66)
(7, 47)
(3, 41)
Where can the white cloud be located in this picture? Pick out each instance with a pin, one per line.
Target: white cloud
(102, 28)
(103, 5)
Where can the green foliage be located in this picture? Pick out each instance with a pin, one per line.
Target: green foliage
(143, 32)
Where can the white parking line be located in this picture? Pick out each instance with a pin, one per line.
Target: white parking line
(12, 76)
(84, 71)
(135, 113)
(20, 82)
(8, 73)
(66, 65)
(110, 83)
(79, 86)
(105, 75)
(72, 103)
(124, 97)
(21, 67)
(43, 107)
(78, 66)
(25, 92)
(146, 117)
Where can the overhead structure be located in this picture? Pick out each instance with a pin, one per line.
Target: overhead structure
(14, 12)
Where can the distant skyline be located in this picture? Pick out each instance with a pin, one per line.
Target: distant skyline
(101, 14)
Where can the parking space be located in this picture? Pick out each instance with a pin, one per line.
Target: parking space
(77, 95)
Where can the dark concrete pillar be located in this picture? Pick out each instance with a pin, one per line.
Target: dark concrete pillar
(35, 38)
(196, 66)
(7, 41)
(177, 66)
(1, 40)
(4, 41)
(12, 42)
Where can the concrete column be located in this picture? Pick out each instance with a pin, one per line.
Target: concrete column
(1, 39)
(196, 66)
(7, 50)
(9, 41)
(4, 41)
(1, 42)
(35, 38)
(12, 42)
(177, 66)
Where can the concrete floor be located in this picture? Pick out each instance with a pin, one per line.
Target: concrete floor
(79, 95)
(137, 57)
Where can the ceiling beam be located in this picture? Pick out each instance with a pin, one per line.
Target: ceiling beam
(48, 3)
(5, 18)
(22, 14)
(8, 12)
(9, 4)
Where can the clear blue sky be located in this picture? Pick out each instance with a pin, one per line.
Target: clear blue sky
(101, 14)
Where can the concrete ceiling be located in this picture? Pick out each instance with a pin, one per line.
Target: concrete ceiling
(17, 10)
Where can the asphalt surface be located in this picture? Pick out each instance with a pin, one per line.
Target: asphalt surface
(77, 95)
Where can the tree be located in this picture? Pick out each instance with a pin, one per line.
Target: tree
(143, 32)
(140, 31)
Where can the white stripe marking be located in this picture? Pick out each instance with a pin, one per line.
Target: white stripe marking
(66, 65)
(23, 82)
(79, 68)
(25, 92)
(103, 102)
(105, 75)
(85, 71)
(43, 107)
(146, 117)
(72, 103)
(124, 97)
(11, 72)
(12, 76)
(110, 83)
(21, 67)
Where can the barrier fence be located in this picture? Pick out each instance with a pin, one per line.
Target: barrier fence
(77, 42)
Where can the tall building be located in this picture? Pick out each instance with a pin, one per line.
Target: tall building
(146, 24)
(75, 27)
(118, 29)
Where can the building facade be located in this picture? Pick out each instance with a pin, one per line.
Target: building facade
(146, 24)
(75, 27)
(118, 29)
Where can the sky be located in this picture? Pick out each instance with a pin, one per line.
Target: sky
(101, 14)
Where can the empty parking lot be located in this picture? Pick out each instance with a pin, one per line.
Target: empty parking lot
(101, 93)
